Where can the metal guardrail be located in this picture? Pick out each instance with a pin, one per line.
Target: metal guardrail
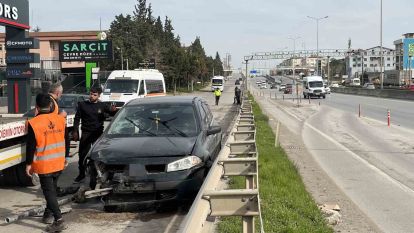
(238, 158)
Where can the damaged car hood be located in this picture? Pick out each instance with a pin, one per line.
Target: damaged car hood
(125, 148)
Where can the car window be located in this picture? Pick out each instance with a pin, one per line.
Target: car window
(209, 115)
(67, 101)
(157, 120)
(154, 86)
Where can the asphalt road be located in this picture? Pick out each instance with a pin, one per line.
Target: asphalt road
(369, 161)
(90, 217)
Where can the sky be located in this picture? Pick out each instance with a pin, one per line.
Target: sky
(242, 27)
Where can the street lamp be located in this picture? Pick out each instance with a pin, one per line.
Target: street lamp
(122, 58)
(317, 33)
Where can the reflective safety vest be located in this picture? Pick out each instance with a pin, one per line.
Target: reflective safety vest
(49, 130)
(56, 110)
(217, 93)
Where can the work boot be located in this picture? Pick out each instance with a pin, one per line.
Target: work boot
(79, 178)
(57, 226)
(47, 217)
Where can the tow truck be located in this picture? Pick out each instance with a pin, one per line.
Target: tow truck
(13, 130)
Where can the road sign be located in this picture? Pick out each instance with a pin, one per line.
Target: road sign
(253, 71)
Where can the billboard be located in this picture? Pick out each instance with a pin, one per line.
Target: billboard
(408, 51)
(15, 13)
(85, 50)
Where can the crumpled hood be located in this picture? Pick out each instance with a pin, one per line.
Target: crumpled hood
(128, 148)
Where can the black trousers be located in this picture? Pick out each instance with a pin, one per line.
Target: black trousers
(48, 183)
(217, 99)
(86, 141)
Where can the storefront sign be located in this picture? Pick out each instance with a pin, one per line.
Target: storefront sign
(22, 58)
(85, 51)
(15, 13)
(20, 72)
(29, 43)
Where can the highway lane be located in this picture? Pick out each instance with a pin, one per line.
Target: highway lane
(370, 162)
(90, 217)
(375, 108)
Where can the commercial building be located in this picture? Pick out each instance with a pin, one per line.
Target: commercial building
(368, 61)
(404, 48)
(49, 51)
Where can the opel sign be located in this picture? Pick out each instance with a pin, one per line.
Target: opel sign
(15, 13)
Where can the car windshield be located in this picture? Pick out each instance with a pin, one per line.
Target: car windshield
(316, 84)
(217, 81)
(67, 101)
(121, 86)
(155, 120)
(154, 86)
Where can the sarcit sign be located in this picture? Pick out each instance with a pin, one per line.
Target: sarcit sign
(15, 13)
(85, 50)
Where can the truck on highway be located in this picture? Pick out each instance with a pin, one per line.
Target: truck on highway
(313, 87)
(123, 86)
(13, 130)
(352, 82)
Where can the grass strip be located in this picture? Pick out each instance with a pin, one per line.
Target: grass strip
(286, 205)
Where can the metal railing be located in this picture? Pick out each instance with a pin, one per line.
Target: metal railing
(239, 157)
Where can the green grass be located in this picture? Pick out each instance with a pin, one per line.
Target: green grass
(286, 205)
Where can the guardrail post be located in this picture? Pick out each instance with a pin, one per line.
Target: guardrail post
(248, 225)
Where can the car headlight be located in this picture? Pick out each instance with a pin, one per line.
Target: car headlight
(183, 164)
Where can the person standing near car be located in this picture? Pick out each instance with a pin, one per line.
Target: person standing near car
(55, 92)
(92, 115)
(217, 94)
(45, 156)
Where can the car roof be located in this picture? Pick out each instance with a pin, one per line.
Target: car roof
(164, 100)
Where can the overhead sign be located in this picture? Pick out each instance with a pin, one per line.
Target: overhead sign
(27, 43)
(15, 13)
(22, 58)
(85, 50)
(20, 72)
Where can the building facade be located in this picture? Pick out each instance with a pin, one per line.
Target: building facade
(369, 61)
(49, 48)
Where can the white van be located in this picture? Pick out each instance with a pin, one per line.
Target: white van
(123, 86)
(313, 86)
(217, 82)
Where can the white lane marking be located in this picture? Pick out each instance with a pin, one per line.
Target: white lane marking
(171, 224)
(379, 171)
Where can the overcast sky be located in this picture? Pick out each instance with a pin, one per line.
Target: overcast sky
(240, 27)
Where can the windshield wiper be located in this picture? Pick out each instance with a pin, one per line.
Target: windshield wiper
(139, 126)
(165, 123)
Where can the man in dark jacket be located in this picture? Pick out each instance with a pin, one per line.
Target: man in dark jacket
(92, 115)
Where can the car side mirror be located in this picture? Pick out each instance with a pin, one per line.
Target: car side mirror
(213, 130)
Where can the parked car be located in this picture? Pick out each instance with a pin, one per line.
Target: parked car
(335, 85)
(156, 150)
(263, 86)
(67, 103)
(282, 87)
(370, 86)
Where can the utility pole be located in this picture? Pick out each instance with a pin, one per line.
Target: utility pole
(382, 55)
(329, 69)
(317, 36)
